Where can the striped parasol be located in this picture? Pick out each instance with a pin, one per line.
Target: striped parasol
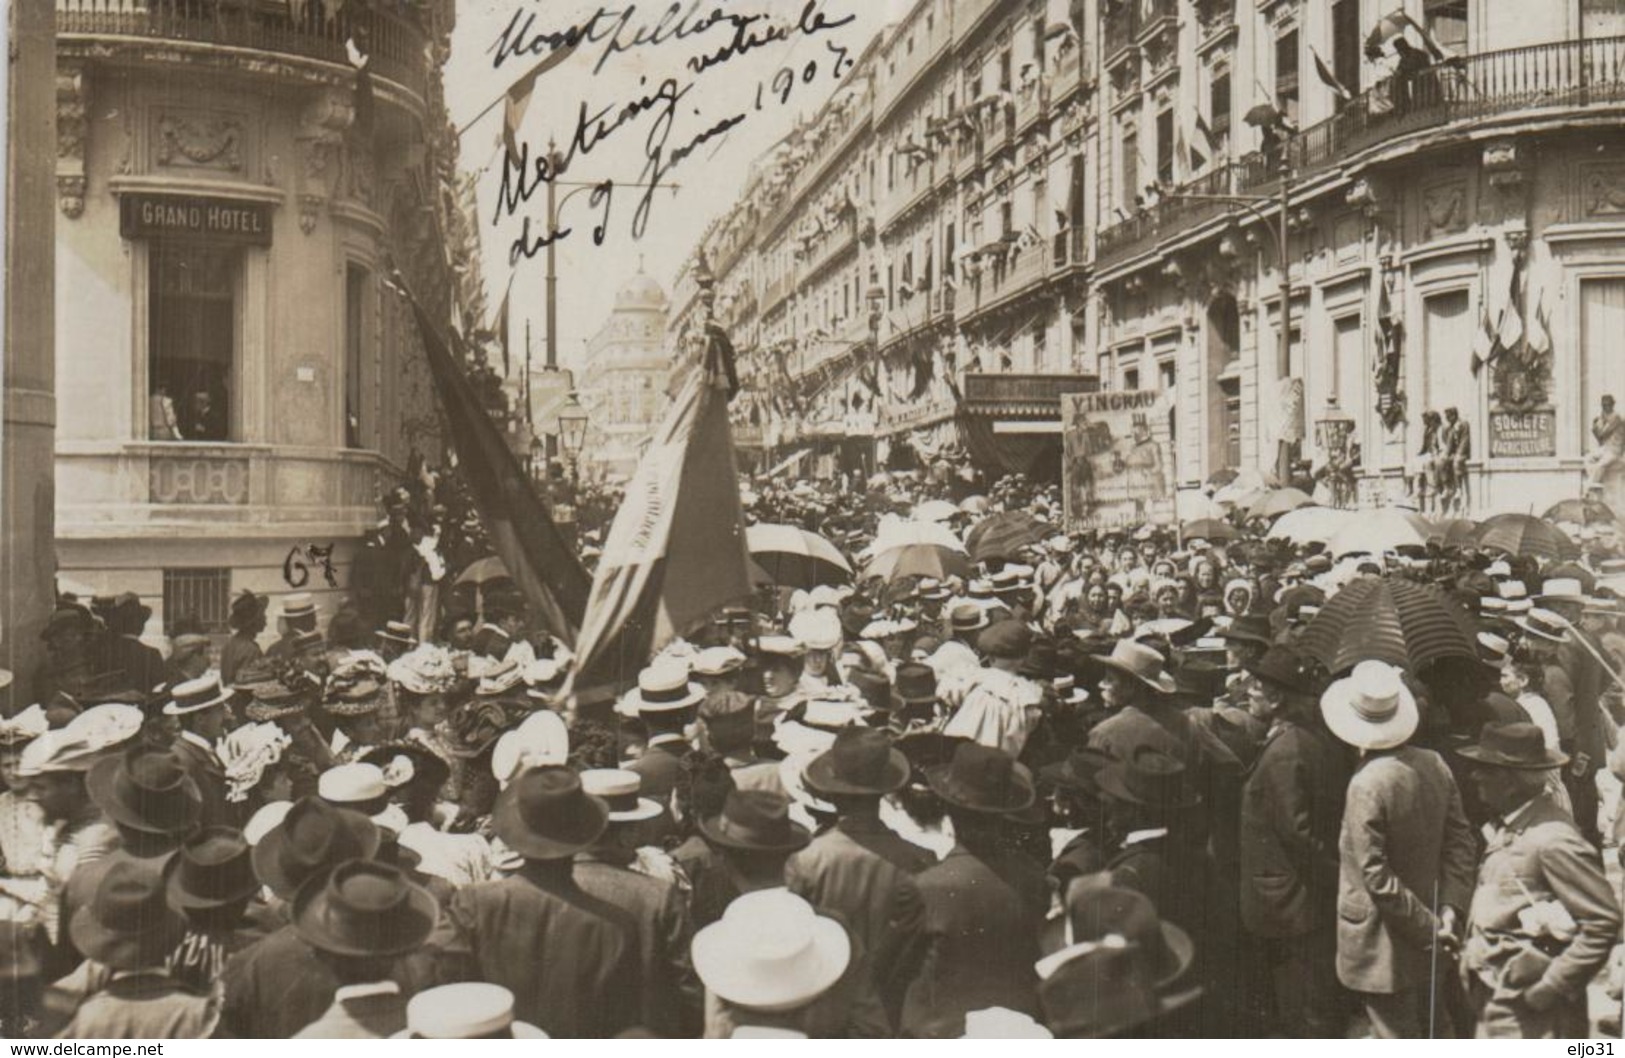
(796, 558)
(1003, 535)
(1389, 619)
(1524, 534)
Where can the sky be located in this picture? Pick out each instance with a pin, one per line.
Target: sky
(746, 92)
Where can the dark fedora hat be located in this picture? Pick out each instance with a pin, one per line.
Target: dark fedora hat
(1288, 668)
(915, 682)
(1079, 771)
(1094, 913)
(1149, 777)
(363, 908)
(982, 779)
(1103, 991)
(1513, 744)
(862, 761)
(128, 925)
(310, 840)
(213, 868)
(248, 604)
(544, 814)
(755, 819)
(145, 790)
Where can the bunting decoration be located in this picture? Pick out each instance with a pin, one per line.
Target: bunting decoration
(1207, 133)
(1329, 79)
(517, 99)
(1390, 358)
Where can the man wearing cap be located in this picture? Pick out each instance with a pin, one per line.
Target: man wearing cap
(1291, 813)
(247, 620)
(997, 706)
(200, 708)
(570, 959)
(1544, 917)
(1406, 853)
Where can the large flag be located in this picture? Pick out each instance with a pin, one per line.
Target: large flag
(536, 554)
(676, 550)
(1329, 79)
(1207, 133)
(517, 100)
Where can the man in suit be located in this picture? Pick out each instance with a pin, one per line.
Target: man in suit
(859, 870)
(142, 666)
(1406, 854)
(200, 707)
(665, 699)
(1291, 813)
(570, 959)
(1543, 917)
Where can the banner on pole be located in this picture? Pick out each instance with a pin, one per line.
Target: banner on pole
(1118, 466)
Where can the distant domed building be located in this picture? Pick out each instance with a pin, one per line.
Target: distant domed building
(623, 383)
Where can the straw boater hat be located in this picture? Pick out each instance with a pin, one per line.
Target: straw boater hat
(663, 687)
(1371, 708)
(618, 788)
(1132, 658)
(467, 1011)
(1516, 745)
(297, 604)
(1563, 589)
(194, 696)
(1544, 624)
(398, 632)
(966, 618)
(771, 951)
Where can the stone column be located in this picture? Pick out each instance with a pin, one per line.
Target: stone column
(27, 479)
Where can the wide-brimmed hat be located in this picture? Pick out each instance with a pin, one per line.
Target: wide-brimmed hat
(545, 814)
(312, 838)
(819, 629)
(771, 951)
(1516, 745)
(212, 868)
(469, 1010)
(1544, 624)
(755, 820)
(499, 679)
(1371, 708)
(1008, 638)
(425, 669)
(541, 738)
(409, 764)
(618, 788)
(1289, 668)
(145, 790)
(67, 617)
(364, 909)
(1094, 913)
(357, 786)
(861, 761)
(1102, 990)
(194, 696)
(90, 736)
(664, 687)
(1562, 589)
(982, 779)
(1079, 771)
(25, 727)
(473, 728)
(717, 661)
(128, 925)
(247, 604)
(1133, 658)
(1249, 628)
(1151, 778)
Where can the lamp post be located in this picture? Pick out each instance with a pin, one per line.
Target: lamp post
(1334, 429)
(572, 435)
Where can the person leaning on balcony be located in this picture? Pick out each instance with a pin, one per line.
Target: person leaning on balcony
(1609, 430)
(162, 423)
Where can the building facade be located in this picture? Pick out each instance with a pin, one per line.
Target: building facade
(1108, 191)
(241, 379)
(623, 381)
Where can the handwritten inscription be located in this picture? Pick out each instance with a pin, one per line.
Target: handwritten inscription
(297, 566)
(658, 108)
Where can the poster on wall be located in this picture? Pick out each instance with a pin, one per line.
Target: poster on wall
(1524, 434)
(1118, 468)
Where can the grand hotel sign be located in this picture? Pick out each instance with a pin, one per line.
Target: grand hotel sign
(144, 216)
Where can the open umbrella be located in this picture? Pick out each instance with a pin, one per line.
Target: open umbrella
(1208, 529)
(918, 560)
(897, 532)
(1580, 512)
(1242, 489)
(796, 558)
(1308, 525)
(1384, 529)
(1524, 534)
(1004, 534)
(1389, 619)
(935, 511)
(1277, 502)
(1455, 532)
(482, 571)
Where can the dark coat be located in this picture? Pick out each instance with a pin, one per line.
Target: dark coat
(205, 769)
(1406, 852)
(145, 1007)
(142, 666)
(571, 959)
(1291, 812)
(659, 768)
(982, 921)
(673, 997)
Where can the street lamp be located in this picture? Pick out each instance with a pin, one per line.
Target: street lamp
(538, 458)
(573, 434)
(1334, 430)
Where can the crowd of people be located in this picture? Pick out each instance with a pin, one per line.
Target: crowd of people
(1074, 784)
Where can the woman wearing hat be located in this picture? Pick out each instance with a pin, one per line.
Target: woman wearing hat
(22, 823)
(247, 620)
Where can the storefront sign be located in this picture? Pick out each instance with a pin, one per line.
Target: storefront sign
(1118, 467)
(222, 219)
(1522, 434)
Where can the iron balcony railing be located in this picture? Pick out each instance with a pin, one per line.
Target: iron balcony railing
(395, 44)
(1564, 75)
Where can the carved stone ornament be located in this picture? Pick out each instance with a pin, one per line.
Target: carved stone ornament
(322, 124)
(1603, 191)
(71, 132)
(200, 141)
(1444, 208)
(1503, 165)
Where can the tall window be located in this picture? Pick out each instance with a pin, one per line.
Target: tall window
(1602, 369)
(950, 249)
(1449, 329)
(1286, 74)
(1165, 147)
(1040, 344)
(1131, 168)
(355, 347)
(1219, 106)
(192, 340)
(1447, 21)
(1346, 43)
(1005, 80)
